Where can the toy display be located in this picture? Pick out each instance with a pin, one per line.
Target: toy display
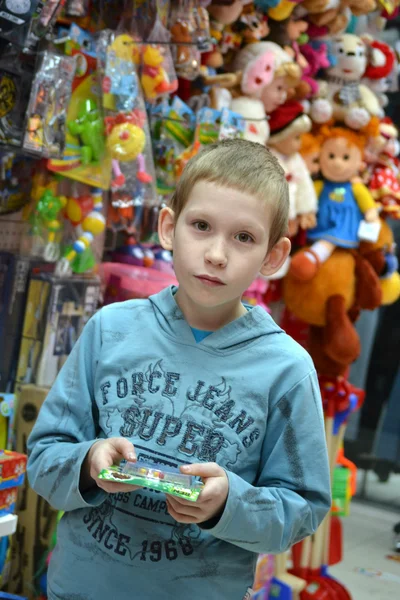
(102, 105)
(155, 477)
(51, 91)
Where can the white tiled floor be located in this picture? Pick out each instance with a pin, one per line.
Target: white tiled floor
(368, 540)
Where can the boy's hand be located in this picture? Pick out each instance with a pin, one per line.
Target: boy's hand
(104, 454)
(211, 501)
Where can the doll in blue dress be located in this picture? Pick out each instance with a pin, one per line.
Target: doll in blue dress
(342, 205)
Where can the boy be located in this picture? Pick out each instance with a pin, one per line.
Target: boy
(188, 378)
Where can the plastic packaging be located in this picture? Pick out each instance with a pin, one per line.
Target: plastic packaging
(188, 34)
(47, 109)
(128, 138)
(41, 22)
(157, 72)
(155, 477)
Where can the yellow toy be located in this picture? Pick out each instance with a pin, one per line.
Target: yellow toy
(154, 79)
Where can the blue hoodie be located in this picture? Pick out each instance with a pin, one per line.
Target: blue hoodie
(246, 397)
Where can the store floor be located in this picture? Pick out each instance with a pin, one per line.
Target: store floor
(366, 569)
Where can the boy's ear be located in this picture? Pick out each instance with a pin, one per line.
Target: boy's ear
(166, 227)
(276, 257)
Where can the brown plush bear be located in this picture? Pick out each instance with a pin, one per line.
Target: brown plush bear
(335, 15)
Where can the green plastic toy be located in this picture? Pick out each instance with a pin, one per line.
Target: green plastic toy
(89, 127)
(45, 221)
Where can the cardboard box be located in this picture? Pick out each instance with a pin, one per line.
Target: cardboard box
(36, 519)
(56, 312)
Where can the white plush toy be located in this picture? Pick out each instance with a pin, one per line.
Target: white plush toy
(344, 97)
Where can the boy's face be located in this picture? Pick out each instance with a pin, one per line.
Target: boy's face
(220, 243)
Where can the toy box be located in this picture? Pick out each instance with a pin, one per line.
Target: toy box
(12, 469)
(159, 478)
(8, 499)
(36, 519)
(56, 311)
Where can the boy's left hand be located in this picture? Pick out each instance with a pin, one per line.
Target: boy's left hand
(211, 500)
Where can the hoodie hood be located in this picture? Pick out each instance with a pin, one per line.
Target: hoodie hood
(246, 330)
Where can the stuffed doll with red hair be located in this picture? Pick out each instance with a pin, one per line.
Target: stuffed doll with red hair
(342, 204)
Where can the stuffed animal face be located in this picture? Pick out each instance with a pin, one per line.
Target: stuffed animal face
(340, 160)
(350, 53)
(274, 94)
(258, 74)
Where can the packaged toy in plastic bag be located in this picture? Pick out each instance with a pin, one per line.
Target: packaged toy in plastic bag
(128, 138)
(42, 20)
(157, 72)
(187, 35)
(85, 157)
(48, 104)
(15, 83)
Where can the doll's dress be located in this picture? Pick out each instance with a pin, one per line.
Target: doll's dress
(338, 217)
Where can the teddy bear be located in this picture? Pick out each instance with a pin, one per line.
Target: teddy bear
(287, 124)
(351, 102)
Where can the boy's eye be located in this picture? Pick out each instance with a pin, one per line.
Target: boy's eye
(201, 226)
(346, 157)
(245, 238)
(331, 155)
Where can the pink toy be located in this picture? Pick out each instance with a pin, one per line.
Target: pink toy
(256, 292)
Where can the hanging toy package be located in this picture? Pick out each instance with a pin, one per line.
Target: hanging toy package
(157, 72)
(15, 83)
(127, 131)
(43, 18)
(188, 34)
(47, 109)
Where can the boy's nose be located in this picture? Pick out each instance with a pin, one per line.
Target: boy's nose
(216, 254)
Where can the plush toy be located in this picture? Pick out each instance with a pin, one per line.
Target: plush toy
(333, 16)
(252, 26)
(382, 173)
(317, 59)
(380, 67)
(330, 303)
(286, 73)
(266, 72)
(382, 257)
(342, 205)
(310, 150)
(287, 125)
(221, 15)
(257, 73)
(352, 103)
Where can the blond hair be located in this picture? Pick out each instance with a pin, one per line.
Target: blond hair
(244, 166)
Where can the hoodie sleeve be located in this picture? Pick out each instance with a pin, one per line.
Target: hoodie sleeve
(292, 493)
(66, 428)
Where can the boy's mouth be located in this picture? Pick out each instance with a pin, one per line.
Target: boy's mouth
(210, 281)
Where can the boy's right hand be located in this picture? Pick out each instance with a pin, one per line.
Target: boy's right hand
(104, 454)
